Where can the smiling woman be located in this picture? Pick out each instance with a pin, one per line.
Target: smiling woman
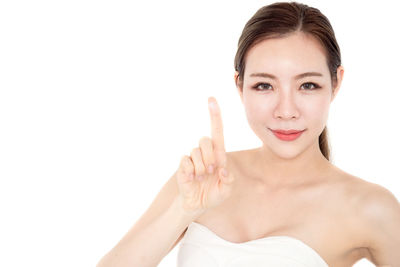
(284, 203)
(299, 87)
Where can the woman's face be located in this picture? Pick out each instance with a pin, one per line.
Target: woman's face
(286, 101)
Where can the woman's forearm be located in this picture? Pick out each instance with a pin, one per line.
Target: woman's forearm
(149, 245)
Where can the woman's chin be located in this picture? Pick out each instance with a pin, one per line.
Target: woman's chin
(288, 154)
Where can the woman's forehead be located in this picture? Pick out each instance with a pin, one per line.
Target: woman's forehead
(292, 54)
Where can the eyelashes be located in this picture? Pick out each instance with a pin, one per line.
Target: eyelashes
(310, 86)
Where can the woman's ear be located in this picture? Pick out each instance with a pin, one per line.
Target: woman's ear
(339, 77)
(240, 89)
(235, 76)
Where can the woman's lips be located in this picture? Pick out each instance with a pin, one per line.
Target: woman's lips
(287, 135)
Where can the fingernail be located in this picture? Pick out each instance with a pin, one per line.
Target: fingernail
(211, 104)
(210, 169)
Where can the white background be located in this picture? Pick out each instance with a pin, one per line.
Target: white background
(100, 99)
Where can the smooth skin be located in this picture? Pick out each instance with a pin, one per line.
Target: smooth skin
(281, 188)
(188, 194)
(377, 209)
(289, 188)
(203, 179)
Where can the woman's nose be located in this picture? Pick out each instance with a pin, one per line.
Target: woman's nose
(286, 107)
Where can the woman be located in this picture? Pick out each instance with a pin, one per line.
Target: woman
(285, 203)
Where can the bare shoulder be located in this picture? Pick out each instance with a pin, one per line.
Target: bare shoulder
(381, 211)
(369, 201)
(378, 215)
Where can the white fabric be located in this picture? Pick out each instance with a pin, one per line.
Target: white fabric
(200, 247)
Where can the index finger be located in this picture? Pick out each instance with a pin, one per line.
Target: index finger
(217, 134)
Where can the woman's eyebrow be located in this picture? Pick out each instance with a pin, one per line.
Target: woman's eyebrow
(299, 76)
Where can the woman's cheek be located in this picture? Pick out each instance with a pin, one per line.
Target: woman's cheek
(317, 113)
(259, 110)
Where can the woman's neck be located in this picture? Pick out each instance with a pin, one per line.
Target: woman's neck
(277, 171)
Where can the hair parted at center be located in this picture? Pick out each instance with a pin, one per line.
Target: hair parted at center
(281, 19)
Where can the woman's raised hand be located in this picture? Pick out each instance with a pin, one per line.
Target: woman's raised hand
(203, 178)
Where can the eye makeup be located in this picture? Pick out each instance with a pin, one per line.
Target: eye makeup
(314, 85)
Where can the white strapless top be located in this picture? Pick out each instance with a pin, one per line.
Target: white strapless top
(200, 247)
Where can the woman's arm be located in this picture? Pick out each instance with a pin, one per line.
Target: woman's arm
(381, 213)
(154, 234)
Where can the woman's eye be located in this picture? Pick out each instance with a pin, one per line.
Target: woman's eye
(264, 86)
(309, 85)
(258, 86)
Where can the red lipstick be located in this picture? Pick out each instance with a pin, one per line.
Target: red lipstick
(287, 135)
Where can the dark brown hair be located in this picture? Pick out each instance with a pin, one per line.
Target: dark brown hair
(279, 20)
